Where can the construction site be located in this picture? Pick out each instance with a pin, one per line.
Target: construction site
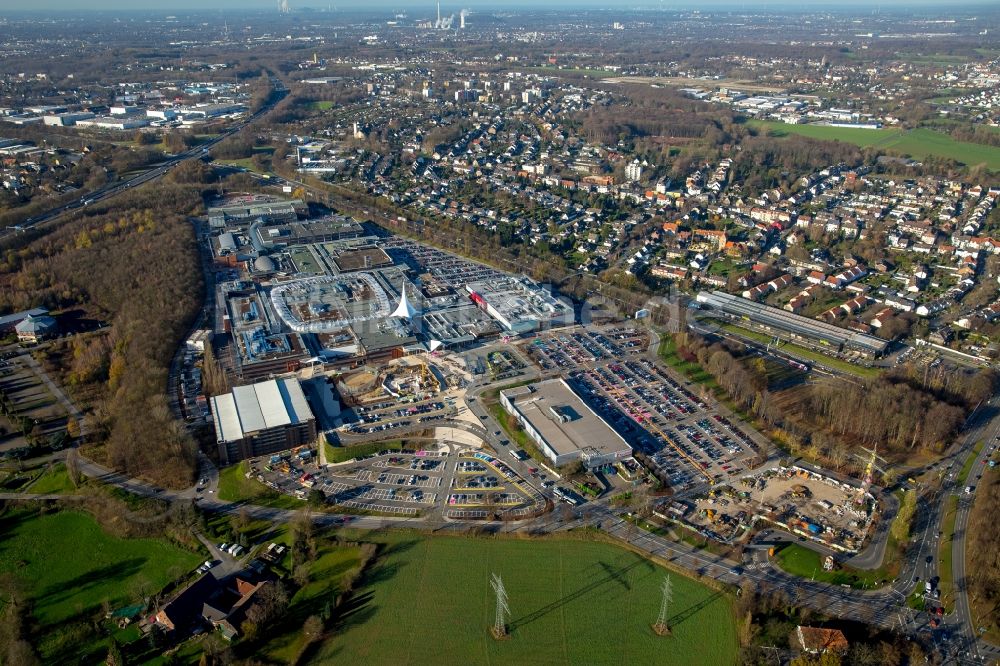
(834, 513)
(403, 379)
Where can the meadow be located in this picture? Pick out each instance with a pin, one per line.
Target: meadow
(571, 602)
(71, 569)
(918, 143)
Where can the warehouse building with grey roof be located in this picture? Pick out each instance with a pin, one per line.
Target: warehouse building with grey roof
(796, 328)
(565, 429)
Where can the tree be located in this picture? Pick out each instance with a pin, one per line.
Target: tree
(213, 375)
(73, 466)
(241, 521)
(114, 657)
(191, 171)
(316, 498)
(144, 138)
(73, 428)
(271, 601)
(312, 629)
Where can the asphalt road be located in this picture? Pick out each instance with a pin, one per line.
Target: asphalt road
(882, 607)
(153, 173)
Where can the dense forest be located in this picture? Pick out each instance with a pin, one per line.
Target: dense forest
(133, 264)
(639, 113)
(900, 411)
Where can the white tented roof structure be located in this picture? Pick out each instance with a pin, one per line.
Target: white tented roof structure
(255, 407)
(405, 309)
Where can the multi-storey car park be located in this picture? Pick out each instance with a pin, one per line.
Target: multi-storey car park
(262, 418)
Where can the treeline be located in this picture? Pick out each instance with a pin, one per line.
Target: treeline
(136, 266)
(899, 411)
(768, 620)
(983, 532)
(744, 384)
(981, 134)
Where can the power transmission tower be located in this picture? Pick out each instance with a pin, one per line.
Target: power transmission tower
(500, 625)
(871, 466)
(660, 627)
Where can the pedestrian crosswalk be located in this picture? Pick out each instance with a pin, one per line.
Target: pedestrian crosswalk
(754, 566)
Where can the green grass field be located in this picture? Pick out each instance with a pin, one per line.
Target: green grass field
(53, 481)
(945, 561)
(70, 567)
(428, 601)
(322, 105)
(918, 143)
(326, 576)
(807, 563)
(234, 486)
(245, 163)
(339, 454)
(859, 137)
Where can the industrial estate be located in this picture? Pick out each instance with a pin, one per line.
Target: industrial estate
(639, 335)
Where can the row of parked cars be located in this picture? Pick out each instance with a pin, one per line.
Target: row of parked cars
(235, 549)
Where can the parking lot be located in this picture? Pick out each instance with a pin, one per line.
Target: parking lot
(688, 442)
(483, 482)
(34, 419)
(389, 415)
(406, 483)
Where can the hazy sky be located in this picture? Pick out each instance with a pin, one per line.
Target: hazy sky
(167, 6)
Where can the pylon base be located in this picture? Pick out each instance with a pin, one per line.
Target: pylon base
(661, 629)
(499, 635)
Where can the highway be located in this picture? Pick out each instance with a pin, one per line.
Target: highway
(963, 618)
(884, 607)
(113, 189)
